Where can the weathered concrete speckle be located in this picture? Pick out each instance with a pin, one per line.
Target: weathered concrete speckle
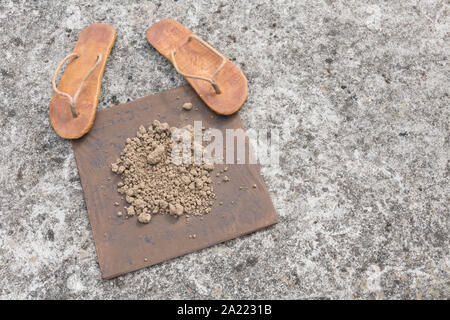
(363, 187)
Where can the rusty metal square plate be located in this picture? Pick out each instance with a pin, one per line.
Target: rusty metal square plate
(125, 245)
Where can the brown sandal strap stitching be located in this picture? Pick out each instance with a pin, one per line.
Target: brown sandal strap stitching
(73, 100)
(211, 80)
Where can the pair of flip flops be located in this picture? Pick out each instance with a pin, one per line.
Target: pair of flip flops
(218, 82)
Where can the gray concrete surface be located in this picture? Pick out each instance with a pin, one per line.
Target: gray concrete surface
(363, 187)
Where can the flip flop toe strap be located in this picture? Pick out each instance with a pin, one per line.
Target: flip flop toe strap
(211, 80)
(72, 100)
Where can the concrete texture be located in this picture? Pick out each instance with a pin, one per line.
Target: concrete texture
(362, 190)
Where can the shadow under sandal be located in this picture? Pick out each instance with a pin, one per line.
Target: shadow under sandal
(218, 82)
(74, 102)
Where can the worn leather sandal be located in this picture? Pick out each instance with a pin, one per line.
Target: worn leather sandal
(218, 82)
(74, 102)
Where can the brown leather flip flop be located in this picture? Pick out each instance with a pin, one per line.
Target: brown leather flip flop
(218, 82)
(74, 103)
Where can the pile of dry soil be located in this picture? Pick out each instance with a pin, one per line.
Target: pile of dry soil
(152, 183)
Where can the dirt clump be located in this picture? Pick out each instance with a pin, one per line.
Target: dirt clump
(152, 184)
(187, 106)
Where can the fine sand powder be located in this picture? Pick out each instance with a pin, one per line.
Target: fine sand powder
(151, 183)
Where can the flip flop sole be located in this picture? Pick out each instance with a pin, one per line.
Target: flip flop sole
(94, 39)
(194, 58)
